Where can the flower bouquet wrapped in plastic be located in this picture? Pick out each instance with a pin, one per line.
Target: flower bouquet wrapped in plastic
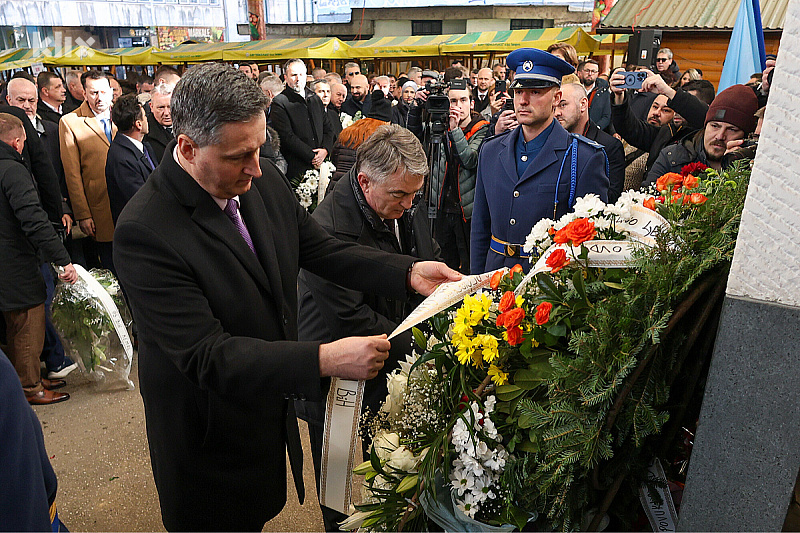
(94, 324)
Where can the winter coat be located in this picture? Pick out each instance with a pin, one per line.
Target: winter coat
(343, 155)
(675, 156)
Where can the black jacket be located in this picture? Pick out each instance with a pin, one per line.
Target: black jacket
(336, 124)
(126, 171)
(27, 237)
(616, 159)
(675, 156)
(302, 126)
(37, 161)
(652, 138)
(351, 106)
(400, 114)
(217, 361)
(600, 107)
(44, 111)
(158, 137)
(481, 104)
(48, 135)
(329, 312)
(70, 104)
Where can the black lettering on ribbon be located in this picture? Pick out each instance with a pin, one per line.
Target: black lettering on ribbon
(342, 398)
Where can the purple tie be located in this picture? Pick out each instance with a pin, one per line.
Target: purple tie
(232, 210)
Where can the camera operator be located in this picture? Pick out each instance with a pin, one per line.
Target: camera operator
(453, 179)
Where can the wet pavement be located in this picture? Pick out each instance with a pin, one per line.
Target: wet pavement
(98, 448)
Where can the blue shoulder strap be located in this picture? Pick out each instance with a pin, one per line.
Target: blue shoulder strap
(573, 183)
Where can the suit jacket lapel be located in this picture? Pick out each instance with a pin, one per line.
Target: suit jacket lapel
(94, 123)
(256, 217)
(507, 155)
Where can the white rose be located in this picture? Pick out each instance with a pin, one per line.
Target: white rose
(403, 459)
(384, 444)
(396, 384)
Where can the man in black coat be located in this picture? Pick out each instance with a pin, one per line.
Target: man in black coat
(130, 159)
(52, 95)
(159, 120)
(597, 91)
(28, 238)
(371, 205)
(208, 252)
(301, 122)
(359, 99)
(573, 113)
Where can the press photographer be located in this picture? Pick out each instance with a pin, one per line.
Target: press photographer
(454, 135)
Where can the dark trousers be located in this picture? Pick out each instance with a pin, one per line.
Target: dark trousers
(25, 335)
(451, 232)
(52, 351)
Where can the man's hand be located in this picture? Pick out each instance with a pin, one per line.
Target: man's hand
(506, 121)
(654, 83)
(498, 102)
(427, 275)
(87, 226)
(455, 119)
(319, 156)
(733, 146)
(66, 220)
(353, 357)
(70, 275)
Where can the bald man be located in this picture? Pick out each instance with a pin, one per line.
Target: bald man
(359, 99)
(483, 89)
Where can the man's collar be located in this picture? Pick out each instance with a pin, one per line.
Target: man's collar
(57, 110)
(106, 115)
(221, 202)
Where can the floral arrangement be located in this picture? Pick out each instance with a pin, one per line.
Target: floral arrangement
(537, 398)
(347, 120)
(310, 190)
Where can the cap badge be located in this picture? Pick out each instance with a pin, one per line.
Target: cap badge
(527, 66)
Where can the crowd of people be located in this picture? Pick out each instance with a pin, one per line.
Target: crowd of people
(153, 179)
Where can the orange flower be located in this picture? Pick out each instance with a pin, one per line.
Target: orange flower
(697, 199)
(561, 236)
(495, 281)
(690, 182)
(513, 318)
(650, 203)
(514, 269)
(557, 260)
(676, 198)
(668, 180)
(507, 302)
(580, 230)
(514, 336)
(543, 313)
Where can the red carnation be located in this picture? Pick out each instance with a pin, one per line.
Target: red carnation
(693, 168)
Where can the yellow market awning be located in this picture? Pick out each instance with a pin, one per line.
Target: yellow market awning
(194, 53)
(506, 41)
(277, 49)
(79, 56)
(136, 55)
(403, 46)
(26, 57)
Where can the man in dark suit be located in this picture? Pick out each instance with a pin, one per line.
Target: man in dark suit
(573, 113)
(75, 95)
(301, 122)
(130, 159)
(52, 95)
(208, 256)
(359, 98)
(323, 89)
(159, 120)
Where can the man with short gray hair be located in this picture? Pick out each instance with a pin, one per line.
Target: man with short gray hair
(75, 94)
(208, 253)
(371, 205)
(159, 120)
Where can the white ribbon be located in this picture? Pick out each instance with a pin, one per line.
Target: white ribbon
(662, 516)
(339, 440)
(99, 292)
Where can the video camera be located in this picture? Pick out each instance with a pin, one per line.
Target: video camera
(438, 104)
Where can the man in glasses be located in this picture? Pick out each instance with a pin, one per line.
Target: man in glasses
(597, 91)
(666, 66)
(351, 70)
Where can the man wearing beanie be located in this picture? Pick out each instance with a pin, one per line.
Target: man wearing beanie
(731, 116)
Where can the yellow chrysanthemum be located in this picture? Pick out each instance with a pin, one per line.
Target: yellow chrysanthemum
(465, 351)
(489, 347)
(498, 376)
(519, 300)
(474, 309)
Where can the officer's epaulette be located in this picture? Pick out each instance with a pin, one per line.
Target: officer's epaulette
(594, 144)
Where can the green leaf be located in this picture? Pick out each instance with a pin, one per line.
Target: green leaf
(369, 476)
(419, 338)
(613, 285)
(507, 393)
(376, 463)
(557, 330)
(533, 376)
(516, 516)
(363, 468)
(527, 446)
(408, 482)
(424, 358)
(580, 287)
(548, 287)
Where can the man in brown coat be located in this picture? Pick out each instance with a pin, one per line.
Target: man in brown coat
(85, 135)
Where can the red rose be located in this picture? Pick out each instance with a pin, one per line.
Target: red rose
(515, 336)
(690, 182)
(543, 313)
(514, 317)
(508, 301)
(650, 203)
(494, 282)
(561, 236)
(501, 320)
(697, 199)
(580, 230)
(557, 260)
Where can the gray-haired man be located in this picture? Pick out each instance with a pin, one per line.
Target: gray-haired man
(208, 253)
(159, 119)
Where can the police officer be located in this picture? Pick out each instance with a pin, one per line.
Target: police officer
(534, 171)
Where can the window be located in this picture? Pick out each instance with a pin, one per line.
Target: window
(426, 27)
(527, 24)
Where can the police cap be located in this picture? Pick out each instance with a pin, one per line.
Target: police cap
(535, 69)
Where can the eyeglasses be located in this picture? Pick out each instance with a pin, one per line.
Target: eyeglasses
(661, 59)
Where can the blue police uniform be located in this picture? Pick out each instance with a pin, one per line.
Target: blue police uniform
(520, 183)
